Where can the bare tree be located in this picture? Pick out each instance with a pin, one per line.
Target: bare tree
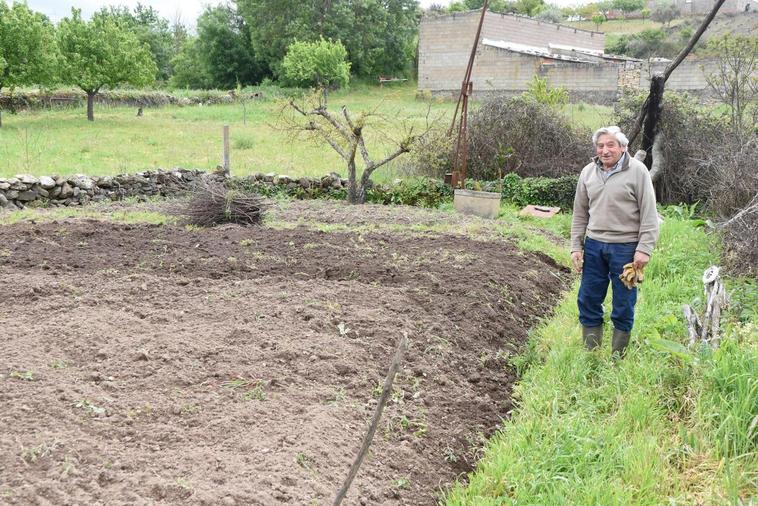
(345, 133)
(734, 80)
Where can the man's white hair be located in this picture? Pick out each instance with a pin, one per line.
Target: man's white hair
(613, 131)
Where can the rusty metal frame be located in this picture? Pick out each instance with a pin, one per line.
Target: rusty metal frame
(460, 158)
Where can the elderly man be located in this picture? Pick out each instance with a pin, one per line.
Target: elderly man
(615, 223)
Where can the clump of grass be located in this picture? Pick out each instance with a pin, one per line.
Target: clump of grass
(243, 143)
(211, 203)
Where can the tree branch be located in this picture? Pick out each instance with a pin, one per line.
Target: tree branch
(674, 64)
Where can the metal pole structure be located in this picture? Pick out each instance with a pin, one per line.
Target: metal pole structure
(460, 159)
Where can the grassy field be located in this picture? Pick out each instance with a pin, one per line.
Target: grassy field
(64, 142)
(664, 426)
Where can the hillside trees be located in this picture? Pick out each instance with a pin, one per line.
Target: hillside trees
(100, 53)
(664, 11)
(27, 48)
(628, 6)
(379, 35)
(221, 56)
(151, 29)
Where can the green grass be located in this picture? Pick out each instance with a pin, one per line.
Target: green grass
(651, 429)
(62, 141)
(92, 211)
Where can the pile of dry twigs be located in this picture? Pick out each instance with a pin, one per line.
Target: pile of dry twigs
(211, 203)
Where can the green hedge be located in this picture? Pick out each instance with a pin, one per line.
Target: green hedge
(426, 192)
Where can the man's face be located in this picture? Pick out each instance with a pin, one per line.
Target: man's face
(608, 150)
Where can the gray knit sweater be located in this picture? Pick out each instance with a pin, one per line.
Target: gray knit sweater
(621, 209)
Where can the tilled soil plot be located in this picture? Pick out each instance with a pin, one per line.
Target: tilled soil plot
(159, 365)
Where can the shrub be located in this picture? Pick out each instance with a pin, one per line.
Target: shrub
(430, 155)
(322, 64)
(422, 192)
(540, 91)
(523, 136)
(545, 191)
(705, 161)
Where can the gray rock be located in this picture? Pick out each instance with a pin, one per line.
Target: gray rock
(18, 186)
(12, 181)
(82, 181)
(3, 200)
(12, 194)
(75, 193)
(4, 185)
(305, 182)
(105, 182)
(42, 192)
(27, 196)
(27, 179)
(47, 182)
(55, 193)
(269, 178)
(66, 191)
(12, 207)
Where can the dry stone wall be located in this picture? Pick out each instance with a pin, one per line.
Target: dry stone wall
(26, 190)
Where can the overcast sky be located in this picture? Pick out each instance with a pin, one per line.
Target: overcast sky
(187, 10)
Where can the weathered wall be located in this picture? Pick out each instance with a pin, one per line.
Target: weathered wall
(688, 76)
(25, 190)
(445, 46)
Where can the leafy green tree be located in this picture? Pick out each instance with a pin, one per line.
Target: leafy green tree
(598, 19)
(100, 53)
(322, 64)
(529, 7)
(221, 56)
(645, 13)
(151, 29)
(628, 6)
(379, 35)
(27, 47)
(190, 67)
(664, 11)
(550, 15)
(648, 43)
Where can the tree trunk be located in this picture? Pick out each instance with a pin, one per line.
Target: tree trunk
(353, 193)
(91, 105)
(1, 119)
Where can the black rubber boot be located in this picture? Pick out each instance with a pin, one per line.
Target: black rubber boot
(592, 336)
(620, 342)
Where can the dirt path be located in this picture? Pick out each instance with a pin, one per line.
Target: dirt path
(159, 365)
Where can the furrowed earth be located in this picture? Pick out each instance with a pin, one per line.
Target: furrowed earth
(162, 364)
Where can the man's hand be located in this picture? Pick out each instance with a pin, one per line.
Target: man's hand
(640, 259)
(577, 258)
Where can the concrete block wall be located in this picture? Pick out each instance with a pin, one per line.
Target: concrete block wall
(582, 76)
(688, 76)
(445, 46)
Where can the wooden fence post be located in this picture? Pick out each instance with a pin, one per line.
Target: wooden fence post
(227, 165)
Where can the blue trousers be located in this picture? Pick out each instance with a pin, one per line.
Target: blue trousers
(603, 262)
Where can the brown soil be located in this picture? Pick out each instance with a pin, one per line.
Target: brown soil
(160, 365)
